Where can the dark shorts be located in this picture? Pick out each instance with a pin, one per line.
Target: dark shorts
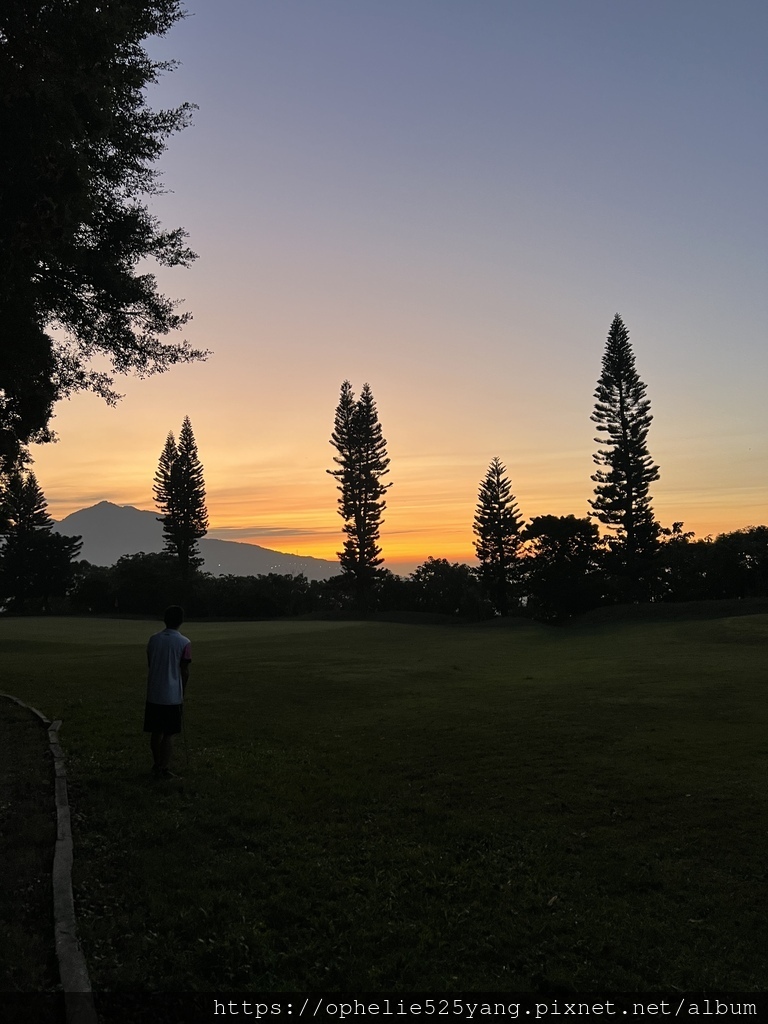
(165, 718)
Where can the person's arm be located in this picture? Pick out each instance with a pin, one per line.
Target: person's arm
(184, 674)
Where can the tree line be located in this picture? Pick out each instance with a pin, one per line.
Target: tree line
(561, 580)
(552, 567)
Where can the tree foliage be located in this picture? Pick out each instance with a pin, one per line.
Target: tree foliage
(362, 462)
(25, 509)
(733, 565)
(78, 146)
(179, 490)
(145, 584)
(563, 570)
(623, 415)
(497, 527)
(163, 485)
(448, 589)
(36, 564)
(564, 574)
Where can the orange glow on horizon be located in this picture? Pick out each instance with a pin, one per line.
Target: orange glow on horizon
(271, 487)
(407, 539)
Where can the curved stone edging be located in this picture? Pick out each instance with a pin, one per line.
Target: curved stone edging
(72, 967)
(40, 715)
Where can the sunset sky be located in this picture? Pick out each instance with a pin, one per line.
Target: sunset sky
(450, 200)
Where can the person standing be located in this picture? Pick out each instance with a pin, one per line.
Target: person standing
(169, 655)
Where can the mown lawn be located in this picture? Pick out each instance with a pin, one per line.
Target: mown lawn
(373, 807)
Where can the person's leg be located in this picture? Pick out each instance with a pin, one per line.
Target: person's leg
(155, 745)
(166, 750)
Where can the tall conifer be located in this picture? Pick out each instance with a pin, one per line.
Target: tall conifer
(162, 488)
(24, 506)
(622, 414)
(362, 461)
(180, 495)
(497, 526)
(35, 563)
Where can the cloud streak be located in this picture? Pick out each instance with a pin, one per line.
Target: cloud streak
(249, 532)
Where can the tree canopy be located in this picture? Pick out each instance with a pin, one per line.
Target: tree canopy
(78, 147)
(563, 570)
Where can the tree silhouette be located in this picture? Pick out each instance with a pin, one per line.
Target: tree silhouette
(362, 462)
(497, 526)
(179, 491)
(24, 506)
(162, 488)
(79, 143)
(35, 563)
(447, 588)
(622, 412)
(563, 571)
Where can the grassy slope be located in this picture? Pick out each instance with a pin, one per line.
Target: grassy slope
(373, 807)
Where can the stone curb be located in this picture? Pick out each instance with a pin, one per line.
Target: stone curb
(72, 968)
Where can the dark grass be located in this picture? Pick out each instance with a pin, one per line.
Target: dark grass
(375, 807)
(27, 838)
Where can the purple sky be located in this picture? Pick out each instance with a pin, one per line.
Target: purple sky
(451, 201)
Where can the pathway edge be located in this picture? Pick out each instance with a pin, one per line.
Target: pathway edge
(72, 967)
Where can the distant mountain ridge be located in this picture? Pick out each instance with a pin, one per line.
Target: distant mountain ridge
(110, 530)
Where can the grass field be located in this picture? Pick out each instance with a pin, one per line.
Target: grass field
(375, 807)
(27, 838)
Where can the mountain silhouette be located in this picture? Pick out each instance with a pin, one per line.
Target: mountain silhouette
(109, 531)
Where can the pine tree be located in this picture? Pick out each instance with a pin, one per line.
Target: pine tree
(362, 461)
(24, 506)
(497, 525)
(342, 439)
(162, 488)
(35, 563)
(179, 491)
(188, 487)
(622, 412)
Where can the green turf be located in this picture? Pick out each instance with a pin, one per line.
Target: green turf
(392, 807)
